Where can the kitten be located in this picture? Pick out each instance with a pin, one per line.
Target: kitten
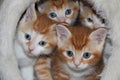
(89, 18)
(34, 37)
(60, 10)
(106, 9)
(10, 12)
(78, 56)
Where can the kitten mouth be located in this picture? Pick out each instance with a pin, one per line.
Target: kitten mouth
(77, 69)
(31, 55)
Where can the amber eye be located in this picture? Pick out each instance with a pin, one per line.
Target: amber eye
(89, 20)
(42, 43)
(86, 55)
(70, 53)
(27, 36)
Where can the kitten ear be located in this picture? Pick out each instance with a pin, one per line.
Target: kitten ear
(41, 7)
(98, 36)
(62, 33)
(81, 7)
(30, 14)
(77, 3)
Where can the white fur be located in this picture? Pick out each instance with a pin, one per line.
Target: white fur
(78, 75)
(26, 58)
(10, 12)
(110, 10)
(25, 63)
(26, 73)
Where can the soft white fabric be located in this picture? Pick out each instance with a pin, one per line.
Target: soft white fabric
(111, 10)
(10, 12)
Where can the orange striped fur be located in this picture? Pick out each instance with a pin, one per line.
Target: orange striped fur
(43, 68)
(78, 42)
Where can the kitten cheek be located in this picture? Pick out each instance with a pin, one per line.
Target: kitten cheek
(35, 54)
(70, 22)
(83, 66)
(25, 47)
(48, 51)
(71, 64)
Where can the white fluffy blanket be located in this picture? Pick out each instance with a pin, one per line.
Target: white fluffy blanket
(10, 12)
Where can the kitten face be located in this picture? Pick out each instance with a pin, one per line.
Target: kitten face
(35, 43)
(92, 21)
(35, 34)
(81, 59)
(82, 50)
(89, 18)
(61, 10)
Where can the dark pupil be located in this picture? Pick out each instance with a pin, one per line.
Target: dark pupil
(86, 55)
(70, 53)
(68, 12)
(89, 19)
(27, 36)
(53, 15)
(42, 43)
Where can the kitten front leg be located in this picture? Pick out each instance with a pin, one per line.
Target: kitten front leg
(43, 68)
(27, 73)
(92, 78)
(58, 74)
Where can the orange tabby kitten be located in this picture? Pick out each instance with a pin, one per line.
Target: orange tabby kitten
(60, 10)
(35, 36)
(89, 18)
(78, 57)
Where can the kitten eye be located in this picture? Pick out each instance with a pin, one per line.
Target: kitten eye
(42, 43)
(70, 53)
(27, 36)
(53, 15)
(89, 20)
(87, 55)
(68, 12)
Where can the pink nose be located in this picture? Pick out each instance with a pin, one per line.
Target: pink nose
(30, 50)
(61, 19)
(77, 64)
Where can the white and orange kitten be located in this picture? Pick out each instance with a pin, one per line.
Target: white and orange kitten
(33, 38)
(89, 18)
(78, 57)
(60, 10)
